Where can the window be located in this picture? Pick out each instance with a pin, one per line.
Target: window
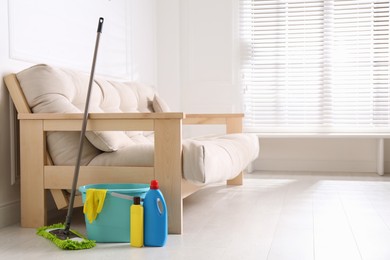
(315, 66)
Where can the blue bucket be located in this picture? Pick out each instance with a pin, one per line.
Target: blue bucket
(112, 224)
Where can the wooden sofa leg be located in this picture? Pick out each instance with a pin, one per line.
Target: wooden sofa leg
(175, 214)
(33, 201)
(238, 180)
(167, 169)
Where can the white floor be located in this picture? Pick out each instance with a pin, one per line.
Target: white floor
(272, 216)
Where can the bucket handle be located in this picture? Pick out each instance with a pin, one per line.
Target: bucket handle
(123, 196)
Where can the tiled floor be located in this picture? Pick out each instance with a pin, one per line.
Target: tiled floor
(272, 216)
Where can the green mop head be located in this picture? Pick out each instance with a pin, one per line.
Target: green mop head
(71, 241)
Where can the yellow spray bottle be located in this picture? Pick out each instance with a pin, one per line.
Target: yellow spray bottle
(137, 223)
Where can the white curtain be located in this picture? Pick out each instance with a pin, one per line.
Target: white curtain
(315, 66)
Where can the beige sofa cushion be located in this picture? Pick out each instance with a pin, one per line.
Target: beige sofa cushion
(206, 160)
(54, 90)
(212, 159)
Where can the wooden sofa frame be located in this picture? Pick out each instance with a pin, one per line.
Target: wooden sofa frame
(38, 174)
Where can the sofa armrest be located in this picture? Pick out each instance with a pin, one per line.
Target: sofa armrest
(233, 122)
(71, 116)
(101, 121)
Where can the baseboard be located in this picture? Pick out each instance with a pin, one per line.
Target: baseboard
(9, 213)
(315, 165)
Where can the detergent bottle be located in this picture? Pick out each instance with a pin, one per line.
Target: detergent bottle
(155, 217)
(137, 223)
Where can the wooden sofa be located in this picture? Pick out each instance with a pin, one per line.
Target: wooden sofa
(39, 175)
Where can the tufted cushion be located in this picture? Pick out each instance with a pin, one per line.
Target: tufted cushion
(55, 90)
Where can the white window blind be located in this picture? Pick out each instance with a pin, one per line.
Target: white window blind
(315, 66)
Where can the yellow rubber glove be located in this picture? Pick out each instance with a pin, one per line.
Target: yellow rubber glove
(94, 203)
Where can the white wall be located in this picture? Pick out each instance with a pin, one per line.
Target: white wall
(197, 57)
(168, 52)
(63, 33)
(209, 66)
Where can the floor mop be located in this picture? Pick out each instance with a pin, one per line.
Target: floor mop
(61, 234)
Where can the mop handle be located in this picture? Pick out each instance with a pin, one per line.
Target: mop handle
(83, 129)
